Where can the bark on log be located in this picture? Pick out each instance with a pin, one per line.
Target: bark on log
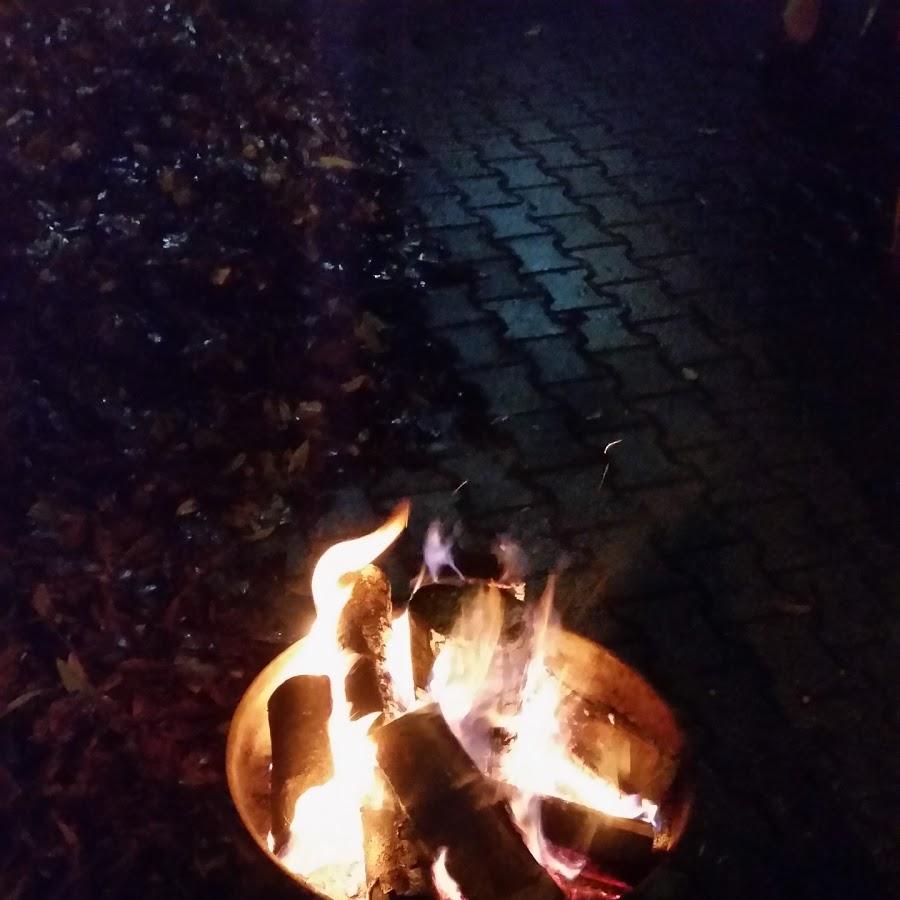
(623, 848)
(452, 805)
(366, 617)
(299, 710)
(363, 628)
(397, 862)
(435, 608)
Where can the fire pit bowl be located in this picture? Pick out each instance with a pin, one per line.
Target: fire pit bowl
(620, 727)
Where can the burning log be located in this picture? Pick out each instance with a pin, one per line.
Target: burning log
(453, 805)
(623, 848)
(366, 618)
(433, 611)
(397, 863)
(363, 628)
(299, 710)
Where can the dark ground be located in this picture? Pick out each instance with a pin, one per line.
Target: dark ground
(642, 250)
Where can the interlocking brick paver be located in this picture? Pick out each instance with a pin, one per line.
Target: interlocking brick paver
(555, 359)
(582, 496)
(461, 163)
(525, 318)
(592, 137)
(548, 201)
(445, 210)
(603, 330)
(585, 181)
(642, 373)
(682, 341)
(487, 191)
(598, 404)
(682, 274)
(611, 264)
(638, 460)
(685, 419)
(450, 306)
(649, 239)
(468, 243)
(559, 153)
(509, 391)
(645, 301)
(544, 441)
(489, 485)
(571, 290)
(534, 130)
(498, 278)
(579, 231)
(617, 209)
(501, 147)
(619, 161)
(539, 254)
(522, 173)
(476, 345)
(511, 221)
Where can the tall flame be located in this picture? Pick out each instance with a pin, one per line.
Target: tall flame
(326, 843)
(473, 678)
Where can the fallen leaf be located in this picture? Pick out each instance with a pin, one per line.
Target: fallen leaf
(354, 384)
(260, 534)
(307, 409)
(41, 602)
(534, 31)
(335, 162)
(299, 458)
(236, 463)
(72, 152)
(690, 374)
(368, 330)
(72, 675)
(220, 275)
(186, 507)
(68, 834)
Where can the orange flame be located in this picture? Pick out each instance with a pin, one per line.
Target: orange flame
(444, 883)
(326, 844)
(483, 683)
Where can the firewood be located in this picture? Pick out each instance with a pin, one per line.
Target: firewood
(299, 710)
(366, 617)
(433, 611)
(397, 862)
(623, 848)
(451, 804)
(363, 628)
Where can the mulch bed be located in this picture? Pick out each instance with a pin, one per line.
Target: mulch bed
(208, 321)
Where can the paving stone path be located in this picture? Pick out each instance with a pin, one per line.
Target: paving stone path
(673, 323)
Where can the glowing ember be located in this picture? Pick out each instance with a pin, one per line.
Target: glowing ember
(487, 681)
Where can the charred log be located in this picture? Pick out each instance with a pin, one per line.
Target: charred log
(623, 848)
(366, 618)
(363, 628)
(451, 804)
(397, 862)
(433, 611)
(299, 710)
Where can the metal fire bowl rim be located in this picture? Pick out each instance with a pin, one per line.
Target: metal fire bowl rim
(248, 738)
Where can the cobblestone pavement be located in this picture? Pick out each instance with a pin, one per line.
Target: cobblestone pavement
(666, 282)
